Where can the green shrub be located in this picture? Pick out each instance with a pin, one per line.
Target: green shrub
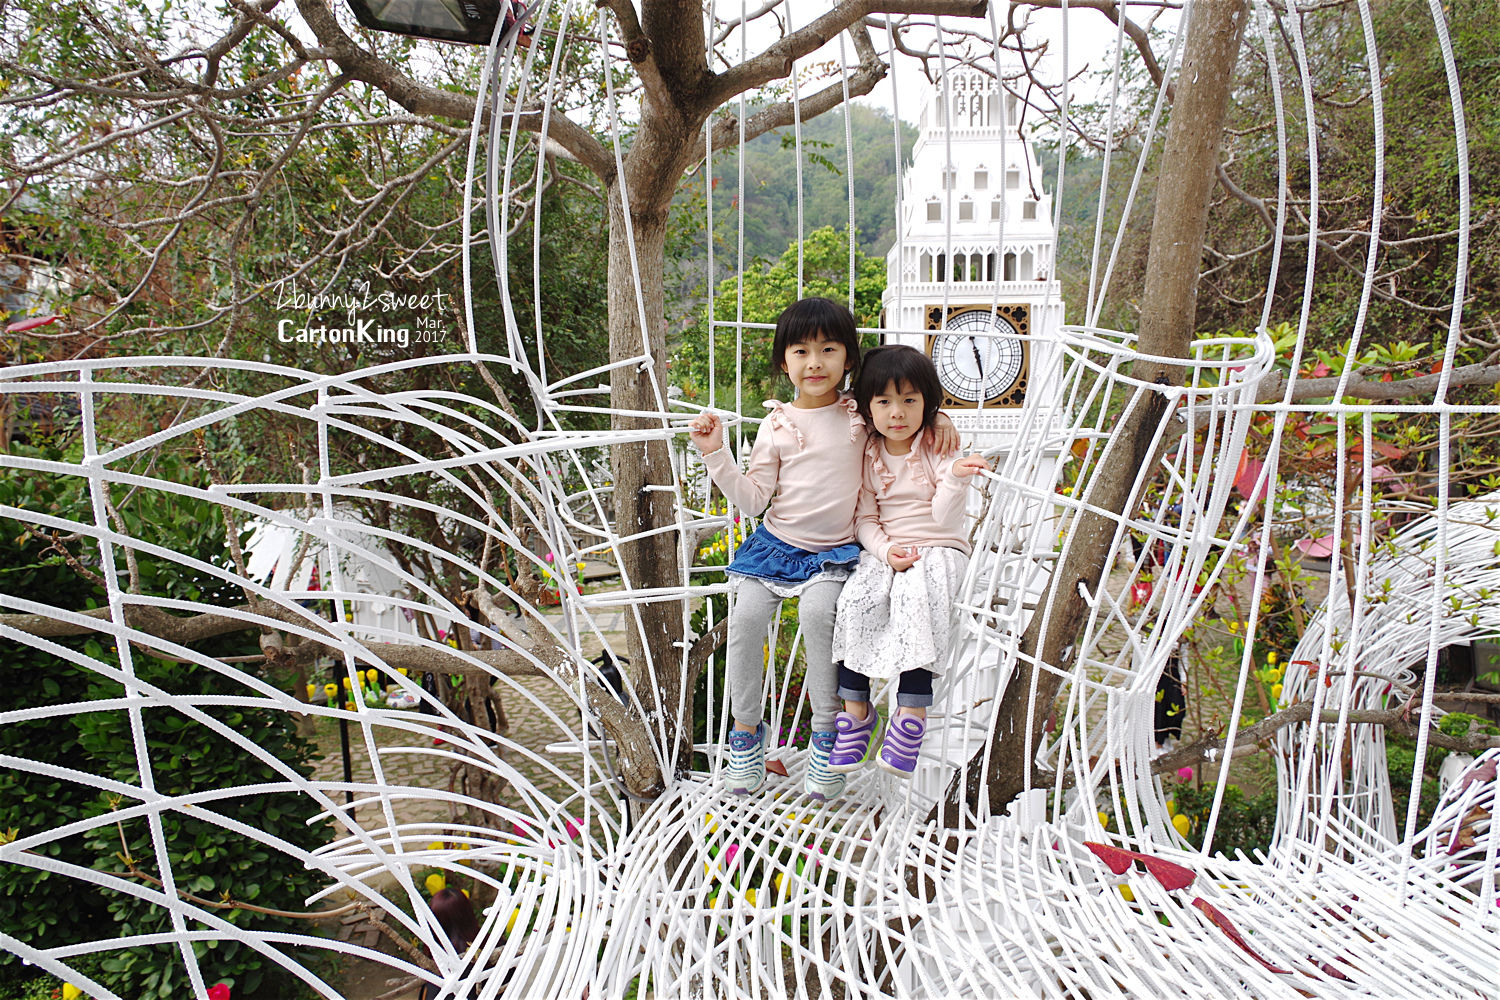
(1245, 824)
(49, 910)
(1401, 759)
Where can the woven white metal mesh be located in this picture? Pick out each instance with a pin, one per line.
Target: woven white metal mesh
(701, 894)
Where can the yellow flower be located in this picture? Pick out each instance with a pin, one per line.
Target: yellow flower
(1276, 690)
(1129, 896)
(71, 992)
(435, 883)
(1104, 819)
(750, 896)
(1271, 658)
(1182, 823)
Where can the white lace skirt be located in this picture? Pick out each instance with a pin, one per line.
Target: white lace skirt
(888, 622)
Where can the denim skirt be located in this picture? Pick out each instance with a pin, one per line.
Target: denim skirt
(767, 558)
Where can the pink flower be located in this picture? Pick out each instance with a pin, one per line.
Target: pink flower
(218, 991)
(729, 853)
(549, 557)
(572, 827)
(1185, 774)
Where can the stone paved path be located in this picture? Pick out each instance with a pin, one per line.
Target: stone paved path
(406, 760)
(529, 727)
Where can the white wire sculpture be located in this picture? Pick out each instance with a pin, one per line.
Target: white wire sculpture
(698, 893)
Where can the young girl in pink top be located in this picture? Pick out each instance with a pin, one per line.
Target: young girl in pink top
(893, 615)
(806, 465)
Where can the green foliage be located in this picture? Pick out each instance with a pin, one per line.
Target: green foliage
(766, 290)
(185, 754)
(1245, 823)
(27, 985)
(1401, 761)
(770, 184)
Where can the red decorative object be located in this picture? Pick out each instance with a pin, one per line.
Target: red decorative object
(1224, 924)
(1170, 874)
(31, 324)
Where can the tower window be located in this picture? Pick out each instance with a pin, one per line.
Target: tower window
(934, 211)
(966, 211)
(996, 210)
(1013, 178)
(981, 179)
(1028, 209)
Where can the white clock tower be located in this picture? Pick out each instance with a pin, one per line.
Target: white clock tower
(971, 278)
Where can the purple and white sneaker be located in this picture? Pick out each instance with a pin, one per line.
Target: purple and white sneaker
(852, 745)
(902, 743)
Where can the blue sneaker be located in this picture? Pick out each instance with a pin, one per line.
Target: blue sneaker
(746, 770)
(821, 783)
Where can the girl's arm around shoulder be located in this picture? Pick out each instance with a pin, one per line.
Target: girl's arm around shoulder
(941, 437)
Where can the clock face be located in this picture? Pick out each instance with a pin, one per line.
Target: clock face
(980, 356)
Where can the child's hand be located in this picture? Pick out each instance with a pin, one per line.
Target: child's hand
(941, 435)
(707, 433)
(902, 559)
(970, 465)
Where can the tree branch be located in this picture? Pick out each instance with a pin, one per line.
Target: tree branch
(639, 50)
(1362, 386)
(1136, 34)
(422, 99)
(776, 61)
(1395, 720)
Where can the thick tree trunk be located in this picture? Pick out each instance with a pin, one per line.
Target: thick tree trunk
(1215, 29)
(645, 492)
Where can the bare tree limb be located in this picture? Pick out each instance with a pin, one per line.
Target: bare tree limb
(1362, 386)
(776, 61)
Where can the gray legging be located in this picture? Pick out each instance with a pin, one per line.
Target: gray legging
(754, 605)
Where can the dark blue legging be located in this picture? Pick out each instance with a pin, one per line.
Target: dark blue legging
(913, 688)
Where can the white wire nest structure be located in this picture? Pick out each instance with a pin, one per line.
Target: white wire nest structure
(891, 888)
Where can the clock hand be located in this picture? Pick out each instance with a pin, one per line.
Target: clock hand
(978, 361)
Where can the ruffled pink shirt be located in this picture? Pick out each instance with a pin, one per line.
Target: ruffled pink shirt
(806, 465)
(911, 499)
